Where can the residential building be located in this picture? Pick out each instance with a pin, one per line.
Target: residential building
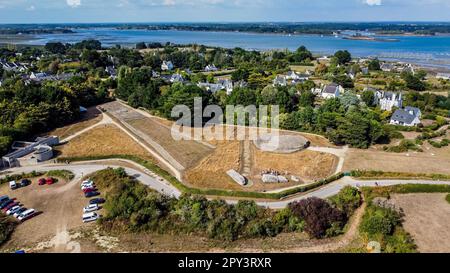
(388, 100)
(410, 116)
(167, 66)
(332, 91)
(111, 70)
(176, 78)
(387, 67)
(211, 68)
(280, 80)
(443, 76)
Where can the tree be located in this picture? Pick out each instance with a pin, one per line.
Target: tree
(342, 57)
(368, 97)
(374, 65)
(347, 200)
(55, 48)
(306, 98)
(413, 82)
(318, 214)
(141, 45)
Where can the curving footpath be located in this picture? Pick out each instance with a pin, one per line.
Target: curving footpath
(161, 185)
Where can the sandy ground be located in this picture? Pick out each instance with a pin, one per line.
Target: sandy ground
(427, 219)
(61, 207)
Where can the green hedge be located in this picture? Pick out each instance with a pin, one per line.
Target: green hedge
(68, 175)
(397, 175)
(213, 192)
(448, 198)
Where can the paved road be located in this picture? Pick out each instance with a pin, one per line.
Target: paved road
(159, 184)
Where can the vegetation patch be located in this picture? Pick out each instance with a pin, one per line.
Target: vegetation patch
(7, 226)
(368, 175)
(448, 198)
(133, 207)
(67, 175)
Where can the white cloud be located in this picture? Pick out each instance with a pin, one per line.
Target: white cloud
(73, 3)
(31, 8)
(373, 2)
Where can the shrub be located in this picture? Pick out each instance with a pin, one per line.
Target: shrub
(379, 221)
(347, 200)
(448, 198)
(6, 228)
(318, 215)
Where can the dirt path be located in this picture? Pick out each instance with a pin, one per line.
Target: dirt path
(105, 120)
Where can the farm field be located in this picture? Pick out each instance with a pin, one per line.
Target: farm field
(426, 215)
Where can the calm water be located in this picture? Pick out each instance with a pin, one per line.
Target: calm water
(433, 51)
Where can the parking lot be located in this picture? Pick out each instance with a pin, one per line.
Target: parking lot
(60, 206)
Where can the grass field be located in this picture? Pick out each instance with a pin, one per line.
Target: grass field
(102, 141)
(432, 160)
(426, 219)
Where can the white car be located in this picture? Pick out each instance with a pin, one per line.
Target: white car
(13, 185)
(13, 210)
(87, 184)
(90, 217)
(91, 208)
(26, 215)
(84, 187)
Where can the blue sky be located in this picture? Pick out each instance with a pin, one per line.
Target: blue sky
(85, 11)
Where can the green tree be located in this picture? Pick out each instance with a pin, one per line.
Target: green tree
(342, 57)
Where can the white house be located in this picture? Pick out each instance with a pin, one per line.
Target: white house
(387, 67)
(176, 78)
(410, 116)
(111, 70)
(280, 80)
(332, 91)
(222, 84)
(388, 100)
(211, 68)
(443, 76)
(167, 65)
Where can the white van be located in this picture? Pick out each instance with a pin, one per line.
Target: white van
(13, 185)
(26, 215)
(90, 217)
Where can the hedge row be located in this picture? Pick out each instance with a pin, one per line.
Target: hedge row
(397, 175)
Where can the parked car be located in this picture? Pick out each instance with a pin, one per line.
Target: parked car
(87, 186)
(26, 215)
(6, 203)
(50, 181)
(13, 210)
(9, 206)
(3, 198)
(91, 208)
(13, 185)
(42, 181)
(91, 194)
(97, 201)
(19, 212)
(89, 190)
(25, 183)
(90, 217)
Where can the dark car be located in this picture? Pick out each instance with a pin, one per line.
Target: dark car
(17, 213)
(25, 182)
(42, 182)
(91, 194)
(97, 201)
(10, 205)
(6, 203)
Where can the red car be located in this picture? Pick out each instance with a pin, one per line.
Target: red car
(89, 190)
(13, 204)
(50, 181)
(42, 181)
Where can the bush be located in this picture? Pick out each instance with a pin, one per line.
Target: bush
(318, 215)
(379, 221)
(347, 200)
(448, 198)
(7, 226)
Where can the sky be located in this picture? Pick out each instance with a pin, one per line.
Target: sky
(93, 11)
